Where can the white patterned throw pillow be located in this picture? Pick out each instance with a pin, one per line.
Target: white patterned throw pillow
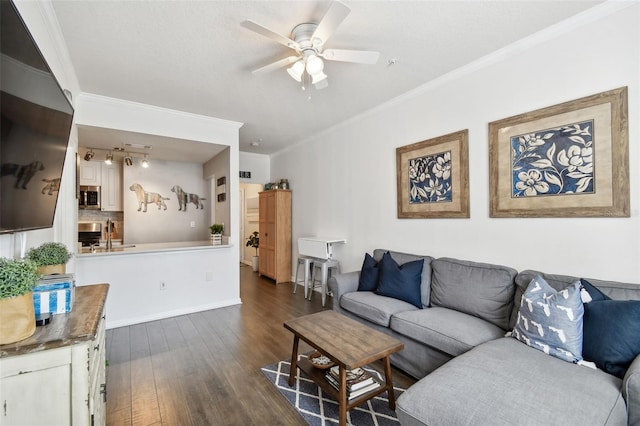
(551, 320)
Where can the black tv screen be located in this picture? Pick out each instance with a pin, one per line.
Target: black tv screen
(35, 127)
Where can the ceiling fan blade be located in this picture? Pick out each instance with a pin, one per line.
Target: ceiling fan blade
(357, 56)
(330, 21)
(275, 65)
(266, 32)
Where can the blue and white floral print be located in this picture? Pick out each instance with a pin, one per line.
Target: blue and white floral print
(557, 161)
(430, 178)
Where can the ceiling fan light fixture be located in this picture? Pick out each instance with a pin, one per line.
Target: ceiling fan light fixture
(317, 78)
(315, 65)
(296, 70)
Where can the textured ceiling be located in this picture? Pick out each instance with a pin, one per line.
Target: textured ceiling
(194, 56)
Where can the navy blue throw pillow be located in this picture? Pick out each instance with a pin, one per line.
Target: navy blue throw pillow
(400, 282)
(593, 291)
(611, 331)
(368, 274)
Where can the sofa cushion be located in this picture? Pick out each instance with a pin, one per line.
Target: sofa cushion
(368, 280)
(400, 281)
(478, 289)
(372, 307)
(611, 331)
(503, 382)
(550, 320)
(401, 259)
(449, 331)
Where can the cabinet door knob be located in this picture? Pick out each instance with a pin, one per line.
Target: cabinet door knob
(96, 347)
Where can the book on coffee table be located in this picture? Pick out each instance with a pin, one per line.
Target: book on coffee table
(368, 386)
(356, 378)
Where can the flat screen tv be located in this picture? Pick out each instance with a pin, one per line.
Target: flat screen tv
(35, 127)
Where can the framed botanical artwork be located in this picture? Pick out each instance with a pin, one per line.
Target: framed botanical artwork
(567, 160)
(433, 177)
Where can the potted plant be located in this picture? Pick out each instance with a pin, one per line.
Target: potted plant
(254, 241)
(216, 233)
(17, 314)
(51, 258)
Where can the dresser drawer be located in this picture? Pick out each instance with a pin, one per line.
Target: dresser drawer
(10, 366)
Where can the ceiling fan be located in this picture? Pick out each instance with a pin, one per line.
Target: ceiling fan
(308, 41)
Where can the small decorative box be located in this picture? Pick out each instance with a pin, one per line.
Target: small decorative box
(54, 294)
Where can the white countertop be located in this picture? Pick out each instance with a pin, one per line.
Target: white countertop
(119, 249)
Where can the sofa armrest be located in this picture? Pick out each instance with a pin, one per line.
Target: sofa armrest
(341, 284)
(631, 392)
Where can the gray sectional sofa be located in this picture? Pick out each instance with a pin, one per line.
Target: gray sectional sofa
(470, 371)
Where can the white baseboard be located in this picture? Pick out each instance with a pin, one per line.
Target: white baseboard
(169, 314)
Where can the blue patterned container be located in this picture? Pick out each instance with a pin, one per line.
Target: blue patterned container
(54, 294)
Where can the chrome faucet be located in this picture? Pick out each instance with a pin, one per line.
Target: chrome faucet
(109, 225)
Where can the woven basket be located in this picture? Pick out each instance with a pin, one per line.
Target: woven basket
(17, 318)
(52, 269)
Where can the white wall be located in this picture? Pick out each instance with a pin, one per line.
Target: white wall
(214, 169)
(258, 165)
(158, 225)
(345, 178)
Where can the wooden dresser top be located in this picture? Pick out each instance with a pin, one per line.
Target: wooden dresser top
(79, 325)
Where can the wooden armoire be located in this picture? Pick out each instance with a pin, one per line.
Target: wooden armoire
(275, 235)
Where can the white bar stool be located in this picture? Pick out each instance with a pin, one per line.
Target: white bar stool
(327, 267)
(307, 263)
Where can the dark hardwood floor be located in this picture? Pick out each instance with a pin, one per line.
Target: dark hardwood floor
(204, 368)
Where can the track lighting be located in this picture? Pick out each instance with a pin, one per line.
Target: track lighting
(145, 162)
(109, 158)
(89, 155)
(127, 160)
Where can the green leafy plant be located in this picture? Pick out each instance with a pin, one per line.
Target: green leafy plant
(49, 254)
(216, 228)
(254, 241)
(17, 277)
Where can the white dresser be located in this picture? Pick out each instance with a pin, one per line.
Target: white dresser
(57, 376)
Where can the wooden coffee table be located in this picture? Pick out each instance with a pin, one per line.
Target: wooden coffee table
(349, 344)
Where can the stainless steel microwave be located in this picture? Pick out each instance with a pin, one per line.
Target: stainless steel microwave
(89, 197)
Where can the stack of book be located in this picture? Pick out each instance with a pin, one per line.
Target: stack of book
(359, 381)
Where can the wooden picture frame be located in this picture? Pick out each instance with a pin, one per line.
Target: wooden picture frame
(433, 177)
(566, 160)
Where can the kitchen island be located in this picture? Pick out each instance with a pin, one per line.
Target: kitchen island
(160, 280)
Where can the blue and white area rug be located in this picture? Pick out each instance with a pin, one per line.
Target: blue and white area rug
(319, 409)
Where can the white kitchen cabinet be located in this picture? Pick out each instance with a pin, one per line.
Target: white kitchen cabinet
(90, 173)
(57, 376)
(111, 192)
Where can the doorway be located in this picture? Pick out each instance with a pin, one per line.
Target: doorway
(248, 218)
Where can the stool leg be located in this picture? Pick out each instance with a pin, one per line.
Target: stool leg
(307, 264)
(325, 273)
(313, 281)
(295, 280)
